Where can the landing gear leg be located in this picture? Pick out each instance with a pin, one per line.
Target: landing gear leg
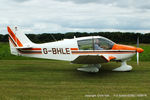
(123, 67)
(90, 68)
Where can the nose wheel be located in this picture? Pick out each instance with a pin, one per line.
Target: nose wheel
(123, 67)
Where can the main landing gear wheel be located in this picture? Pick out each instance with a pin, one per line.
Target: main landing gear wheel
(93, 68)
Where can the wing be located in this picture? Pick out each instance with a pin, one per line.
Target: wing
(92, 59)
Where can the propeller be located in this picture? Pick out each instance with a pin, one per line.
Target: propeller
(137, 53)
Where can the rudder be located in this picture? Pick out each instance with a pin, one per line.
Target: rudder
(17, 39)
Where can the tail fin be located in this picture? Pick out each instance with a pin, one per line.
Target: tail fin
(17, 39)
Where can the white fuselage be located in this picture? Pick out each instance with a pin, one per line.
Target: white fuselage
(68, 50)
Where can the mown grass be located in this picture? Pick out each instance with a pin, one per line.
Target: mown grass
(36, 79)
(43, 79)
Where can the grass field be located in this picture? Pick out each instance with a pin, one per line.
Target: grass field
(24, 78)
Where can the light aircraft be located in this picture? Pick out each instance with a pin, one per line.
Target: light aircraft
(90, 50)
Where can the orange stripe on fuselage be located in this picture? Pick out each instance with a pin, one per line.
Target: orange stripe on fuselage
(74, 49)
(14, 37)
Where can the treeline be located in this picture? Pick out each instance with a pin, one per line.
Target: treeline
(118, 37)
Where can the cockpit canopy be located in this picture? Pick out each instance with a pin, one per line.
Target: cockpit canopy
(99, 43)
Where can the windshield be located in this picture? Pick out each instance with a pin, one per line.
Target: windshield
(95, 44)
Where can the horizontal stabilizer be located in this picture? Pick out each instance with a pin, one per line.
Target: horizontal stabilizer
(23, 47)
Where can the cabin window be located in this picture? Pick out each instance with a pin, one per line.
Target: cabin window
(102, 44)
(85, 44)
(95, 44)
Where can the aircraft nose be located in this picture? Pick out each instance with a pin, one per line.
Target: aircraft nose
(139, 50)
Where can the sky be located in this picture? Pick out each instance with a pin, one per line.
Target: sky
(53, 16)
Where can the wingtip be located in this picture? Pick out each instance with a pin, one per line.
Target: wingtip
(112, 57)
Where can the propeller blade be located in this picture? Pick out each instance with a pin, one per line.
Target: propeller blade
(137, 54)
(138, 42)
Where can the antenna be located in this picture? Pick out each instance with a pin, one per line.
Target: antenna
(53, 37)
(16, 28)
